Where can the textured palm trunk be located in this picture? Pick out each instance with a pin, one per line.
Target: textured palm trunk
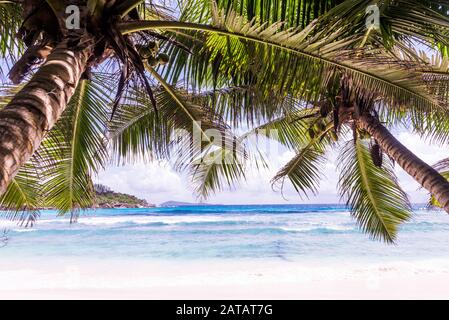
(424, 174)
(36, 108)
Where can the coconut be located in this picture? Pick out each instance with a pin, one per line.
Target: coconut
(153, 46)
(163, 58)
(311, 133)
(376, 155)
(152, 61)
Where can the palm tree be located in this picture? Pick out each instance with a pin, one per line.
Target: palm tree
(310, 79)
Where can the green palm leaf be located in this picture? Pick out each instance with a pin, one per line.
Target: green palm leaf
(10, 21)
(316, 60)
(290, 130)
(23, 199)
(376, 201)
(217, 169)
(401, 21)
(137, 132)
(293, 12)
(181, 129)
(224, 167)
(245, 105)
(75, 149)
(204, 127)
(304, 170)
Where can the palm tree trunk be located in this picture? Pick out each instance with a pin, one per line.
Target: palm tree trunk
(424, 174)
(36, 108)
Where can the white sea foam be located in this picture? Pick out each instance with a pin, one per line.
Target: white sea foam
(300, 222)
(317, 227)
(24, 230)
(165, 219)
(7, 223)
(111, 220)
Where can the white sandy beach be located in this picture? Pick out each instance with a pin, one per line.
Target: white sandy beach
(108, 279)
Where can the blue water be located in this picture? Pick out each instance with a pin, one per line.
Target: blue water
(287, 232)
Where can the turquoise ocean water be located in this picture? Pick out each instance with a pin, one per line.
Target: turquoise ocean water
(286, 232)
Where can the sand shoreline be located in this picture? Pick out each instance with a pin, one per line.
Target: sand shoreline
(256, 279)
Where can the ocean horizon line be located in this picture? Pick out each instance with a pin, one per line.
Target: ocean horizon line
(260, 204)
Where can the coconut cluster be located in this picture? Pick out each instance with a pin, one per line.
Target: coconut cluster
(150, 53)
(318, 126)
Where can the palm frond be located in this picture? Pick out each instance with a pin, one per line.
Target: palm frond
(216, 169)
(291, 130)
(180, 124)
(10, 21)
(245, 105)
(23, 198)
(7, 92)
(202, 68)
(268, 50)
(293, 12)
(203, 126)
(137, 133)
(304, 170)
(225, 167)
(75, 149)
(401, 21)
(375, 199)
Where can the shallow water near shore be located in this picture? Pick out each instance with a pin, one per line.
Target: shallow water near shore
(223, 252)
(274, 232)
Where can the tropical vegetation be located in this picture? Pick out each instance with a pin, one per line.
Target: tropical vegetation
(105, 197)
(135, 72)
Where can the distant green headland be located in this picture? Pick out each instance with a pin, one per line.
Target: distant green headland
(106, 198)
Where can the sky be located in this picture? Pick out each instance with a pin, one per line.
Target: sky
(157, 182)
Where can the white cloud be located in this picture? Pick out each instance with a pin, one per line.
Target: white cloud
(156, 181)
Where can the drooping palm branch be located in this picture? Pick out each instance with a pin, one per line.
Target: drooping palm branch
(373, 194)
